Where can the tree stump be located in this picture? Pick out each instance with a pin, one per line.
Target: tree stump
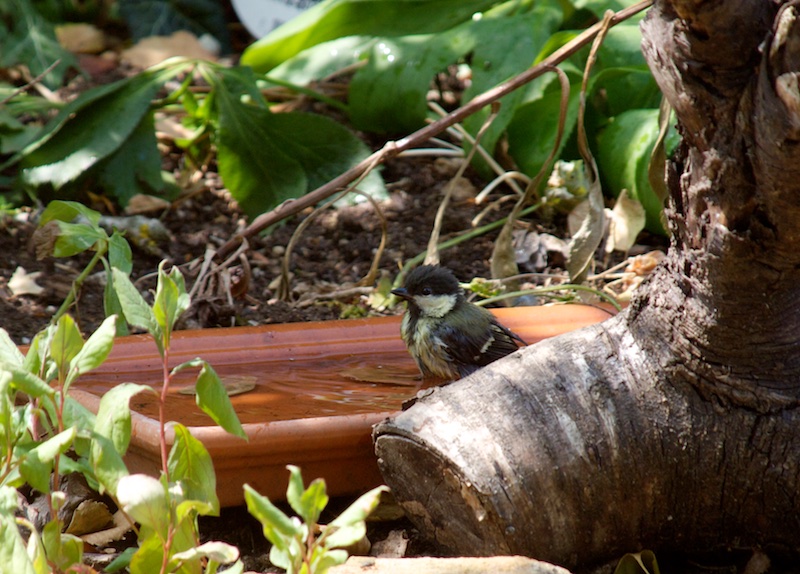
(672, 425)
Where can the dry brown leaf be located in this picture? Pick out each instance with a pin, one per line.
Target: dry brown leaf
(626, 220)
(81, 38)
(103, 538)
(154, 50)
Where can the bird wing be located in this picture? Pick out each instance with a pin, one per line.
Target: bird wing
(471, 353)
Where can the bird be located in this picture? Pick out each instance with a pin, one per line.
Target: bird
(448, 336)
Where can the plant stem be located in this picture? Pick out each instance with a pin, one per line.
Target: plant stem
(76, 285)
(162, 415)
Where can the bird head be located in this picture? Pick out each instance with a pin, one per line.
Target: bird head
(430, 290)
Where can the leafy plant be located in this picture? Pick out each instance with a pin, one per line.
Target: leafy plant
(60, 235)
(106, 137)
(401, 46)
(296, 546)
(34, 436)
(167, 508)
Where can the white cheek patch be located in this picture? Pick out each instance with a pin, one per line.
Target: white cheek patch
(435, 305)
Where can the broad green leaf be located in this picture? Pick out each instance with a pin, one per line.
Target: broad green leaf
(599, 7)
(349, 527)
(137, 312)
(94, 351)
(32, 41)
(145, 499)
(190, 464)
(388, 94)
(113, 419)
(94, 132)
(214, 401)
(265, 158)
(134, 168)
(532, 131)
(65, 344)
(37, 463)
(67, 211)
(278, 528)
(506, 45)
(322, 60)
(338, 18)
(623, 158)
(13, 554)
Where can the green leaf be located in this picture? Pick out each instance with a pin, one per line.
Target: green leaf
(339, 18)
(32, 41)
(9, 352)
(37, 463)
(13, 554)
(145, 499)
(67, 211)
(107, 464)
(137, 312)
(349, 527)
(74, 238)
(505, 46)
(30, 384)
(532, 131)
(214, 401)
(171, 299)
(113, 419)
(122, 560)
(265, 158)
(148, 556)
(308, 503)
(322, 60)
(623, 159)
(135, 168)
(388, 94)
(279, 529)
(190, 464)
(119, 252)
(94, 352)
(65, 344)
(98, 126)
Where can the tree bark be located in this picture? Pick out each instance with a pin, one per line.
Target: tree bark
(672, 425)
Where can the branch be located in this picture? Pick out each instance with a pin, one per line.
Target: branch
(392, 148)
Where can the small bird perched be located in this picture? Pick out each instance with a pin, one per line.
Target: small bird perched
(448, 336)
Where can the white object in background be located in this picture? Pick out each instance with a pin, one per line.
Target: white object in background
(262, 16)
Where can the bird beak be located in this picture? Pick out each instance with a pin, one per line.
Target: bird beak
(402, 293)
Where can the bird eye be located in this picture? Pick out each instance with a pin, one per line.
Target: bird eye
(427, 291)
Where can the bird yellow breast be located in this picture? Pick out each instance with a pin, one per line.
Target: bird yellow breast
(428, 350)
